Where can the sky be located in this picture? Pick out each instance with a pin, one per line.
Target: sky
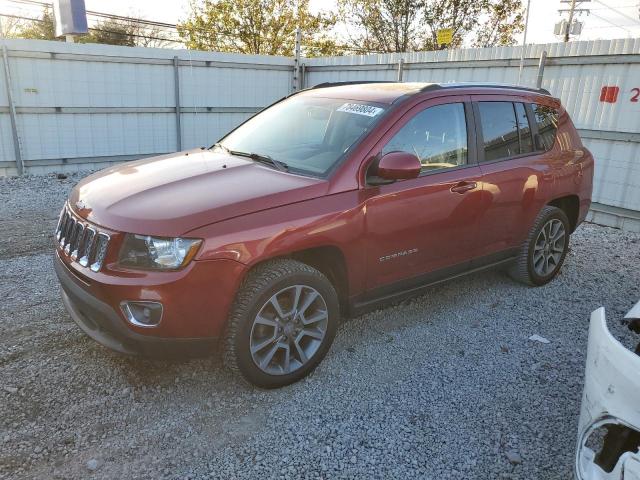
(607, 19)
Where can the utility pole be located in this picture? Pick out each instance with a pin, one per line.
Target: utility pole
(524, 41)
(572, 27)
(571, 11)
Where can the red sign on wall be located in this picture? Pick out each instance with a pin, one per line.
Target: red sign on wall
(609, 94)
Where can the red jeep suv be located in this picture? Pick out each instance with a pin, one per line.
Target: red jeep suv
(331, 201)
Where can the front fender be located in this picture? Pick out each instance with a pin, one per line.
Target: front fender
(335, 220)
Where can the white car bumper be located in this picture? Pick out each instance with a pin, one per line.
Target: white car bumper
(611, 398)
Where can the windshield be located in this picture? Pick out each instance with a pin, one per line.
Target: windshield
(304, 134)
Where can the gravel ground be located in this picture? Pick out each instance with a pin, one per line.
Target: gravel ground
(446, 385)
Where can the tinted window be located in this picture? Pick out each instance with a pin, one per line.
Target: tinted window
(526, 141)
(499, 130)
(547, 120)
(437, 136)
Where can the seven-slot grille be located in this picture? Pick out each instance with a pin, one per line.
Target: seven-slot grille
(81, 241)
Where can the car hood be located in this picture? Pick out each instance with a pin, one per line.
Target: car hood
(172, 194)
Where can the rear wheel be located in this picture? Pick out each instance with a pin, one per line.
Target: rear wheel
(543, 252)
(282, 323)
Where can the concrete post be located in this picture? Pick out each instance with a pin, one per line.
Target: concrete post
(296, 61)
(12, 112)
(543, 59)
(176, 76)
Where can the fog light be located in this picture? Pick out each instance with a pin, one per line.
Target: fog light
(142, 314)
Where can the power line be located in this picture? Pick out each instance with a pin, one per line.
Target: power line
(126, 34)
(101, 14)
(616, 25)
(634, 20)
(173, 28)
(95, 13)
(627, 5)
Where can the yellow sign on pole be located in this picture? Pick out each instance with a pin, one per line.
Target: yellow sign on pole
(445, 36)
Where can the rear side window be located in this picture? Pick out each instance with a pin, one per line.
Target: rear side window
(547, 120)
(499, 130)
(505, 130)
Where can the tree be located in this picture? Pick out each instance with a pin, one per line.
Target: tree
(256, 27)
(383, 25)
(405, 25)
(111, 32)
(127, 33)
(461, 16)
(506, 18)
(153, 37)
(10, 27)
(42, 29)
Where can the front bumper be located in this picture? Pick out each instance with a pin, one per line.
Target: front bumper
(193, 321)
(611, 398)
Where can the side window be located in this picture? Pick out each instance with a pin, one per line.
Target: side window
(547, 120)
(437, 136)
(524, 130)
(499, 130)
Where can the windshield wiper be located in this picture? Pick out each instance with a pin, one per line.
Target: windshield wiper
(283, 167)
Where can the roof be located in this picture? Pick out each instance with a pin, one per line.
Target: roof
(389, 92)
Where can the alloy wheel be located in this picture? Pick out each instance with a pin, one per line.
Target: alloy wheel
(288, 330)
(549, 247)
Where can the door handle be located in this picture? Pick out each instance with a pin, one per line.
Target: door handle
(463, 187)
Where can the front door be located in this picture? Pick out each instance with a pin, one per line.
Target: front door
(427, 224)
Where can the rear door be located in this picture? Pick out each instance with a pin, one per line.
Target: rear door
(516, 179)
(425, 224)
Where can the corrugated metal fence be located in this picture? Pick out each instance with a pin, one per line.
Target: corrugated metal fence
(84, 106)
(80, 106)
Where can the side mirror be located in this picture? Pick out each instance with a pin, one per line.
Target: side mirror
(399, 166)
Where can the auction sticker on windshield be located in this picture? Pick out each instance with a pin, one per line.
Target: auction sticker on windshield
(358, 109)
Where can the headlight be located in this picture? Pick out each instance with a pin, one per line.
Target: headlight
(157, 253)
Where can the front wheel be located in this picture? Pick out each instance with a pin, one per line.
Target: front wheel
(543, 252)
(282, 323)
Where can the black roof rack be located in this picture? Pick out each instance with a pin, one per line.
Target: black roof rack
(342, 84)
(438, 86)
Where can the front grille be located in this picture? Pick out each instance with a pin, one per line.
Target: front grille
(81, 241)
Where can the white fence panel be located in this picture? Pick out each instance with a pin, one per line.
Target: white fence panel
(84, 105)
(202, 129)
(6, 141)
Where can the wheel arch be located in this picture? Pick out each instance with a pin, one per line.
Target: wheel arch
(570, 205)
(328, 260)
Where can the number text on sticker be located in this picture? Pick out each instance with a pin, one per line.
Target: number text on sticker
(358, 109)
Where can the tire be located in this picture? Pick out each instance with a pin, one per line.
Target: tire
(272, 347)
(527, 269)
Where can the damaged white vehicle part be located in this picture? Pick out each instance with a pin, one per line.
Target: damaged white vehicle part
(609, 427)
